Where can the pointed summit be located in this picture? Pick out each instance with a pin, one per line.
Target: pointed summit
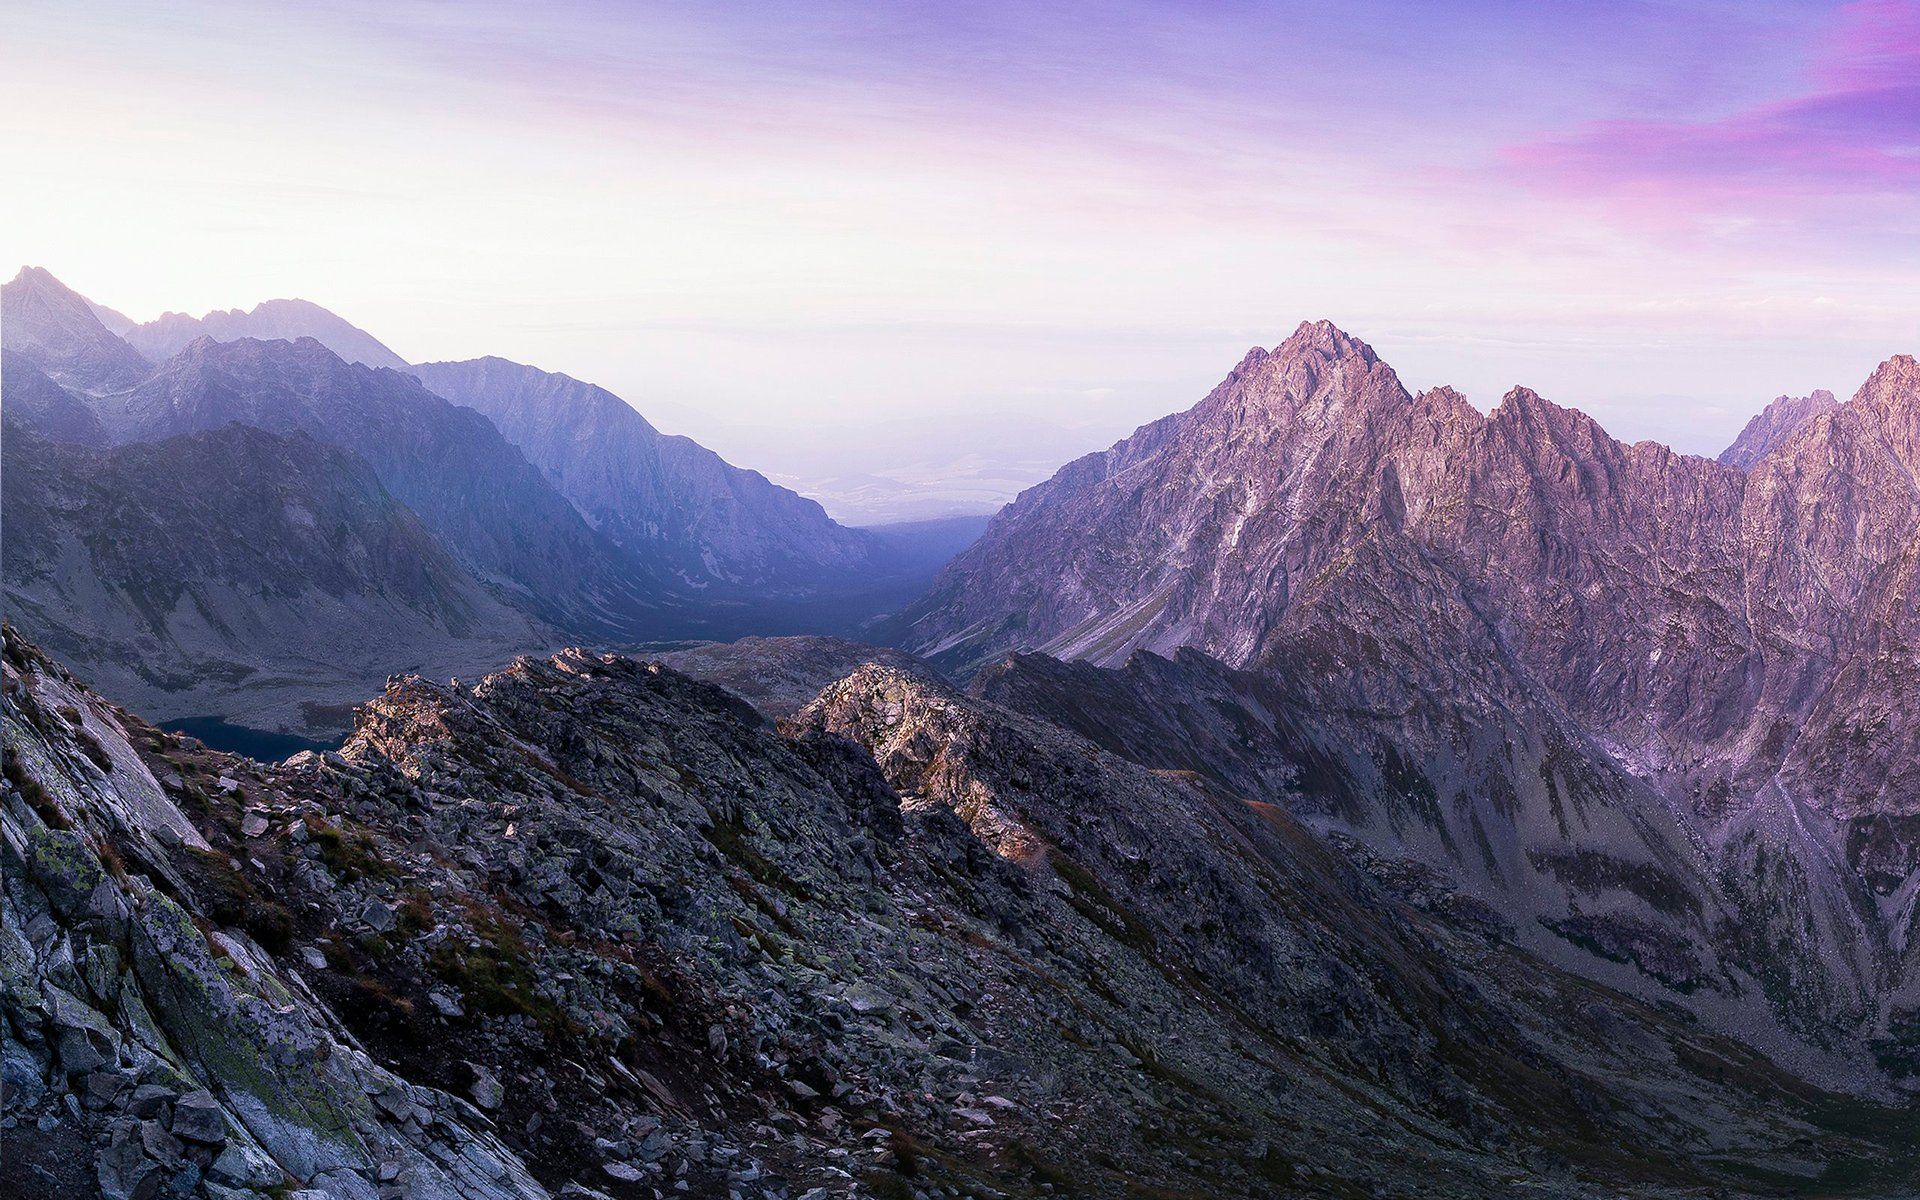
(1774, 425)
(1321, 369)
(1890, 402)
(55, 328)
(1326, 341)
(1525, 409)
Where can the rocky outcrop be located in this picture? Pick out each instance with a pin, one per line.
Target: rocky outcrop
(590, 927)
(282, 320)
(150, 1047)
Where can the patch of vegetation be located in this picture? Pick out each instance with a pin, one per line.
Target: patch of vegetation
(1150, 1064)
(381, 1003)
(350, 855)
(1027, 1159)
(31, 791)
(1098, 905)
(730, 838)
(231, 900)
(415, 913)
(493, 970)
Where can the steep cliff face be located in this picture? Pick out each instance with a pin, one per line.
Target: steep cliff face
(1724, 647)
(37, 406)
(668, 499)
(589, 923)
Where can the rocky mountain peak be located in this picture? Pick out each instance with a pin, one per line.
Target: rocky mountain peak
(1326, 341)
(1890, 402)
(1313, 377)
(30, 278)
(1773, 425)
(1526, 416)
(1251, 359)
(55, 327)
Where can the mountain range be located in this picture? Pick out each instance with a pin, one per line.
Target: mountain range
(668, 499)
(553, 497)
(1326, 790)
(1654, 706)
(273, 320)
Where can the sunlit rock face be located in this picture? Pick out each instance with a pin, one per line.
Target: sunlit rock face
(1701, 669)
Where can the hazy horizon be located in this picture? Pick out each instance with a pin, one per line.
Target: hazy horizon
(767, 229)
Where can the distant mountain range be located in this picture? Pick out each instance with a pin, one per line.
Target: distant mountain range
(273, 320)
(553, 497)
(666, 499)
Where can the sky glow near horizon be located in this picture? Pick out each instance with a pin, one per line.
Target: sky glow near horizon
(748, 219)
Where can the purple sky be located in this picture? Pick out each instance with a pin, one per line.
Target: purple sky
(751, 218)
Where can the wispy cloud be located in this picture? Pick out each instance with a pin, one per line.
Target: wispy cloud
(1845, 134)
(782, 211)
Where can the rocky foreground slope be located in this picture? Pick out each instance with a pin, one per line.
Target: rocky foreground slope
(591, 927)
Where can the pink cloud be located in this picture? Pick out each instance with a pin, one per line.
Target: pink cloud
(1877, 44)
(1851, 131)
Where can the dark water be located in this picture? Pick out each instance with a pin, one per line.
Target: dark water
(238, 739)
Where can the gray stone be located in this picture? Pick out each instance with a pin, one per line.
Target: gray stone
(150, 1100)
(486, 1090)
(82, 1052)
(197, 1117)
(104, 1088)
(123, 1170)
(160, 1145)
(378, 917)
(241, 1165)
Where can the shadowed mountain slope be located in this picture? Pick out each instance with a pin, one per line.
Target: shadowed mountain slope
(908, 941)
(667, 498)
